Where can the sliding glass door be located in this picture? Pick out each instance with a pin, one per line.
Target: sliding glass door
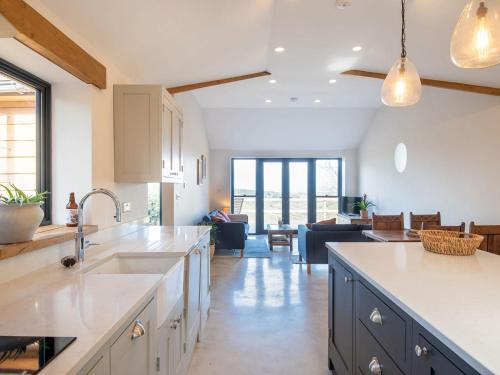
(298, 192)
(295, 191)
(327, 189)
(273, 192)
(244, 190)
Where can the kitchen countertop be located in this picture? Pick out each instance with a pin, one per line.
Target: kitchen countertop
(455, 298)
(55, 301)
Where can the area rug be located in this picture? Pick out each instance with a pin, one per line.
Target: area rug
(255, 247)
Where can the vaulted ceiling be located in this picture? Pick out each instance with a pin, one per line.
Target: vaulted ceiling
(182, 41)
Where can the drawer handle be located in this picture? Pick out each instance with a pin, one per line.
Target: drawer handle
(376, 317)
(347, 279)
(138, 330)
(375, 367)
(421, 351)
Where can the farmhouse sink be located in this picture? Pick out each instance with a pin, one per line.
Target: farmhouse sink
(172, 269)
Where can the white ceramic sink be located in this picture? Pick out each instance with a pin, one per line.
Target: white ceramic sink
(172, 269)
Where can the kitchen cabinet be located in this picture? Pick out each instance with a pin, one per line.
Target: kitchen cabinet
(205, 284)
(192, 295)
(341, 318)
(171, 343)
(99, 365)
(370, 334)
(148, 133)
(132, 352)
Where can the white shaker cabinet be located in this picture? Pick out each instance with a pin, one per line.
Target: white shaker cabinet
(148, 130)
(134, 350)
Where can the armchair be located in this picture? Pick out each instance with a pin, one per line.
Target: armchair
(231, 234)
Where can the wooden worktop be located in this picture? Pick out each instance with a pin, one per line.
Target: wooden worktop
(44, 237)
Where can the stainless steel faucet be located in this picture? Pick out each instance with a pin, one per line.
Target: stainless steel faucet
(80, 245)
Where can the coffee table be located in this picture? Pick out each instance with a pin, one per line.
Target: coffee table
(280, 235)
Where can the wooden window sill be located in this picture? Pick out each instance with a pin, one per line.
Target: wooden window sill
(45, 236)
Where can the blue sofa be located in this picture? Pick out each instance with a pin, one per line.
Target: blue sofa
(312, 247)
(232, 235)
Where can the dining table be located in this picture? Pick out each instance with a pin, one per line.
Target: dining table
(391, 235)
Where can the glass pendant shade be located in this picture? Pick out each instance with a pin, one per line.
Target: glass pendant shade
(476, 40)
(402, 86)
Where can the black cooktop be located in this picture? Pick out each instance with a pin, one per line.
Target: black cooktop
(28, 355)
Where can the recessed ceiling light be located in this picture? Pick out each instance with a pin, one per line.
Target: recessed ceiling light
(272, 81)
(268, 101)
(294, 99)
(317, 101)
(357, 48)
(279, 49)
(332, 81)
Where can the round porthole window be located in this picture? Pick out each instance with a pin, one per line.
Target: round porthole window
(400, 157)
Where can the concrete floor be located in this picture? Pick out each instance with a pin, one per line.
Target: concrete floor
(268, 317)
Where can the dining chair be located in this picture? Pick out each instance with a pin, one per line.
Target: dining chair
(388, 222)
(418, 222)
(491, 234)
(450, 228)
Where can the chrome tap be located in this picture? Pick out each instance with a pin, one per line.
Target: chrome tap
(80, 245)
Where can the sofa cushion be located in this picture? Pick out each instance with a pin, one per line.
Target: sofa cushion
(335, 227)
(224, 215)
(324, 222)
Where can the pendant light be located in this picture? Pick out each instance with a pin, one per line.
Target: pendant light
(402, 86)
(476, 40)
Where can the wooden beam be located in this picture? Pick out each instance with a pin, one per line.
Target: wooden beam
(200, 85)
(486, 90)
(37, 33)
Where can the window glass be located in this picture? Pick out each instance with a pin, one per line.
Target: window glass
(327, 172)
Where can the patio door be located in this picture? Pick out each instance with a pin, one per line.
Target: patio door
(295, 191)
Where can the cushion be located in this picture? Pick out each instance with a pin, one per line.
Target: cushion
(329, 221)
(218, 218)
(336, 227)
(224, 215)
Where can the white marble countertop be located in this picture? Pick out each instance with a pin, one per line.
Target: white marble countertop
(456, 298)
(55, 301)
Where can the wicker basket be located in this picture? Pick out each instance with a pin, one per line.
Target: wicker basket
(450, 243)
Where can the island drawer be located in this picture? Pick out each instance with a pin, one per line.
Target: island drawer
(384, 323)
(370, 356)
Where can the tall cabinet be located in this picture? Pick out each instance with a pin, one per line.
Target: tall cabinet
(148, 130)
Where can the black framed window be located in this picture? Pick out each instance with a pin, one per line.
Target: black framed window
(295, 191)
(25, 116)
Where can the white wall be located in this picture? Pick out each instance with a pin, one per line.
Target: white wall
(187, 203)
(220, 167)
(284, 129)
(453, 142)
(71, 145)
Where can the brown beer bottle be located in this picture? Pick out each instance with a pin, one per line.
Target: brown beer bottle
(72, 211)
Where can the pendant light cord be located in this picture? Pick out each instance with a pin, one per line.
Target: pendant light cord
(403, 29)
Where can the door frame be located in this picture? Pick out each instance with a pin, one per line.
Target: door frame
(285, 186)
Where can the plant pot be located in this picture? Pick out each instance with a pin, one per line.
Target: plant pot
(212, 251)
(19, 223)
(364, 214)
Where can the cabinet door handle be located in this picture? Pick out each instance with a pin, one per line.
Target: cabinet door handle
(374, 366)
(138, 330)
(347, 279)
(421, 351)
(376, 317)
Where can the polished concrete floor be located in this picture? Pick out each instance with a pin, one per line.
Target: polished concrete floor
(268, 317)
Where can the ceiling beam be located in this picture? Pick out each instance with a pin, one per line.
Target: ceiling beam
(33, 30)
(200, 85)
(434, 83)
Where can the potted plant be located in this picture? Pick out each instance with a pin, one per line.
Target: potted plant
(20, 214)
(213, 231)
(364, 205)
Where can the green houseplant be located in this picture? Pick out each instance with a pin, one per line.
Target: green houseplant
(363, 205)
(20, 214)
